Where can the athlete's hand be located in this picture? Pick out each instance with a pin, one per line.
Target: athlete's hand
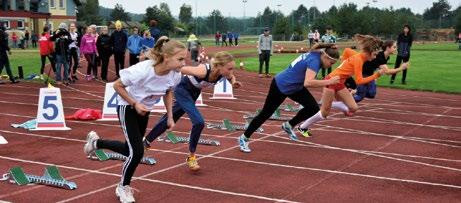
(237, 84)
(334, 80)
(141, 109)
(382, 71)
(170, 123)
(405, 65)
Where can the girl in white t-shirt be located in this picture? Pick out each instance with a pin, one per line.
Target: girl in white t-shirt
(138, 88)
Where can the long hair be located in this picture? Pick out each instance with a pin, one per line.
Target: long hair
(368, 43)
(164, 46)
(329, 49)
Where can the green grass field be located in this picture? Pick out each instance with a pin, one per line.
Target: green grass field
(434, 67)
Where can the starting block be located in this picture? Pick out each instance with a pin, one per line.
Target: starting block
(101, 155)
(171, 137)
(275, 116)
(227, 125)
(291, 108)
(52, 177)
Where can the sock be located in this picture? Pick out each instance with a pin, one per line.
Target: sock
(340, 106)
(315, 118)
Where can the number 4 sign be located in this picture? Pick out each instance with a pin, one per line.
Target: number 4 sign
(223, 90)
(109, 110)
(50, 113)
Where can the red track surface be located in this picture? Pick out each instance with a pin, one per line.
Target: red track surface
(403, 146)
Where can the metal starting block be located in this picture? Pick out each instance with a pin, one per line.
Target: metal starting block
(171, 137)
(102, 155)
(52, 177)
(291, 108)
(227, 125)
(275, 116)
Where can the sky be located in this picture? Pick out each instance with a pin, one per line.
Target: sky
(235, 8)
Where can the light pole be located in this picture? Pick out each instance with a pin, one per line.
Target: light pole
(244, 17)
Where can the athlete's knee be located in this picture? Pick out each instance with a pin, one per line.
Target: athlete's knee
(353, 108)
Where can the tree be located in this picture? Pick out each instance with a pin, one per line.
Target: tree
(163, 17)
(437, 13)
(216, 22)
(185, 14)
(89, 12)
(458, 20)
(119, 13)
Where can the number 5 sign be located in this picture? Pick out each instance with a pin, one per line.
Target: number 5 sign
(50, 113)
(109, 110)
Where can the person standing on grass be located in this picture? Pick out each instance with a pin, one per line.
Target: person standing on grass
(119, 39)
(230, 36)
(46, 51)
(138, 88)
(293, 83)
(89, 51)
(34, 39)
(26, 39)
(328, 38)
(404, 42)
(4, 51)
(351, 66)
(316, 36)
(236, 38)
(223, 39)
(14, 37)
(193, 46)
(310, 36)
(134, 46)
(104, 46)
(265, 50)
(74, 51)
(187, 92)
(217, 37)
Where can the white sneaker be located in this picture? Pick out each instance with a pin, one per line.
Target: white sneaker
(124, 193)
(244, 144)
(90, 145)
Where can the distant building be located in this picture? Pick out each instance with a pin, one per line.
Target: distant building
(33, 15)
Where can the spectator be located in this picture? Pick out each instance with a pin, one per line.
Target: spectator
(236, 37)
(404, 42)
(154, 31)
(223, 39)
(328, 38)
(89, 51)
(34, 39)
(134, 46)
(46, 50)
(62, 41)
(104, 47)
(4, 48)
(217, 37)
(193, 46)
(119, 39)
(74, 51)
(14, 37)
(264, 51)
(230, 37)
(310, 36)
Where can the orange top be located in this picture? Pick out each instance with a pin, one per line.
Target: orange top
(352, 66)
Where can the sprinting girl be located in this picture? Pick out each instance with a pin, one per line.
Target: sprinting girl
(187, 92)
(138, 88)
(293, 83)
(369, 90)
(351, 66)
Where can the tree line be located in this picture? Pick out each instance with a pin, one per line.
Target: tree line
(346, 19)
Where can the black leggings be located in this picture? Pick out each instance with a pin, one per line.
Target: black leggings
(51, 59)
(134, 127)
(398, 61)
(273, 101)
(73, 57)
(134, 59)
(104, 65)
(119, 59)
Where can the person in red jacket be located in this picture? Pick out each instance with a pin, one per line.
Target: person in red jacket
(46, 50)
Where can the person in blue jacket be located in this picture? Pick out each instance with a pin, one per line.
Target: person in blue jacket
(134, 46)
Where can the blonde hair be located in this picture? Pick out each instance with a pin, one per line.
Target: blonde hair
(164, 46)
(368, 43)
(221, 58)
